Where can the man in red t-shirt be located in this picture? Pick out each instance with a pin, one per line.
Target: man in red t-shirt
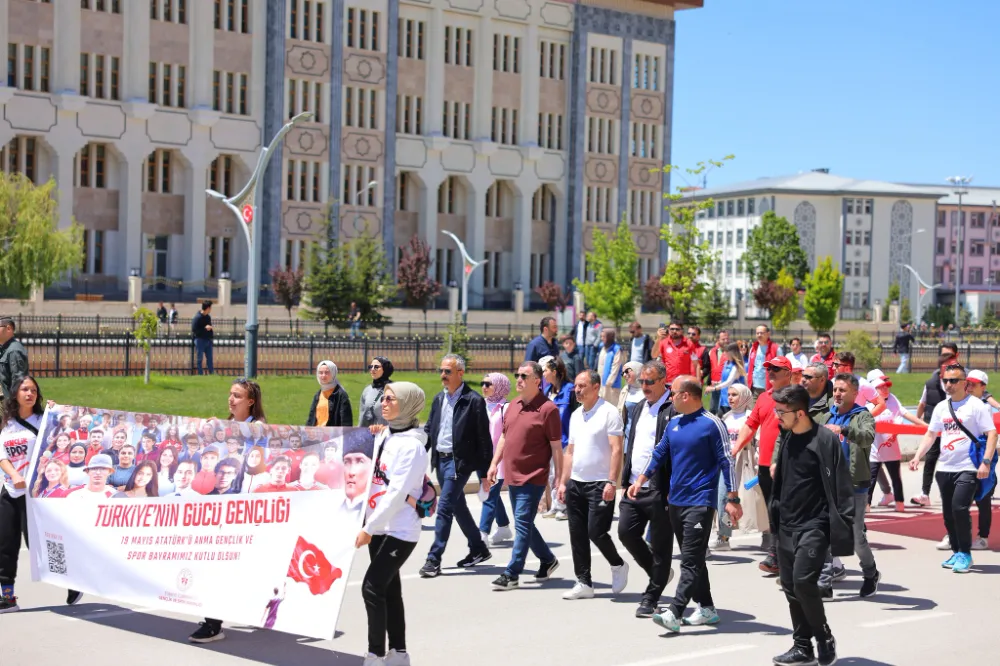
(717, 358)
(531, 439)
(763, 418)
(677, 353)
(825, 353)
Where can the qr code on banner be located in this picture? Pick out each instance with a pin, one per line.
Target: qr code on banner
(57, 557)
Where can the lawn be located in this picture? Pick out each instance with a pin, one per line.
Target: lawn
(286, 399)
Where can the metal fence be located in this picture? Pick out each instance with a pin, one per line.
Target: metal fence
(82, 356)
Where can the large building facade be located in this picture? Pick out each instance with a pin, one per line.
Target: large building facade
(518, 125)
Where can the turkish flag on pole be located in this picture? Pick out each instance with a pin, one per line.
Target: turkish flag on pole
(310, 566)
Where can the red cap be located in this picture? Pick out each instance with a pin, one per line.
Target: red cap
(779, 362)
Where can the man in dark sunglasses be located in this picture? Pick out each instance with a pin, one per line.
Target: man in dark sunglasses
(458, 436)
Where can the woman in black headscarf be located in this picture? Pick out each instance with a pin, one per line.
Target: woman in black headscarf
(371, 398)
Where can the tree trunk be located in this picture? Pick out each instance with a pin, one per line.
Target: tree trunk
(146, 375)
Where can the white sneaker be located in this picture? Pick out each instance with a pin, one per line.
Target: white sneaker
(394, 658)
(561, 515)
(945, 543)
(501, 535)
(702, 615)
(551, 513)
(619, 578)
(486, 537)
(979, 543)
(372, 660)
(579, 591)
(920, 500)
(720, 544)
(887, 500)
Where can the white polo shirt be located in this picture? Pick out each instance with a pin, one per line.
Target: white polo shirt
(975, 416)
(589, 433)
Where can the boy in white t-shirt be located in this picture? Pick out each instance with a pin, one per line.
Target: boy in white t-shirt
(592, 466)
(957, 476)
(885, 451)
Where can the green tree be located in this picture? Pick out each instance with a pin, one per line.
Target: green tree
(413, 275)
(785, 312)
(824, 289)
(145, 332)
(712, 308)
(353, 271)
(941, 315)
(774, 245)
(614, 262)
(35, 252)
(989, 319)
(287, 288)
(867, 354)
(456, 341)
(965, 316)
(905, 313)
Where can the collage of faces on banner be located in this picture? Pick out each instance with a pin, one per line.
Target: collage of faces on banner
(91, 453)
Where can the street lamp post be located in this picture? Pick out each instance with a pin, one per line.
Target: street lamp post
(960, 183)
(923, 289)
(245, 205)
(468, 265)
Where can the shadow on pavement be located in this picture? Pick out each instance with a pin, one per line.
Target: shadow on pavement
(258, 645)
(901, 603)
(861, 661)
(885, 546)
(727, 560)
(734, 622)
(986, 568)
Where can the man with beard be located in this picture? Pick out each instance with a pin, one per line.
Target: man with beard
(812, 513)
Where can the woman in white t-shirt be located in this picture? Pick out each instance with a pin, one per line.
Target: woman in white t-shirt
(22, 416)
(740, 397)
(885, 450)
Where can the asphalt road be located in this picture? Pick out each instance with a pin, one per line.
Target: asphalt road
(922, 614)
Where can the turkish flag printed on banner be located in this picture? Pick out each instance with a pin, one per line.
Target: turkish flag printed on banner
(310, 566)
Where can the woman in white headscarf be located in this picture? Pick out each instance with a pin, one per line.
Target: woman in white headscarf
(393, 526)
(331, 407)
(739, 399)
(632, 393)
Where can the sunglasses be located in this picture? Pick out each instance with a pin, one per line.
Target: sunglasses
(445, 371)
(486, 384)
(374, 367)
(953, 380)
(673, 328)
(835, 364)
(522, 375)
(809, 377)
(648, 382)
(775, 371)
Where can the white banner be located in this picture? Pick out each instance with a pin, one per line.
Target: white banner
(244, 522)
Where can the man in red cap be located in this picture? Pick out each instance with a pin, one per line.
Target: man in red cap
(779, 375)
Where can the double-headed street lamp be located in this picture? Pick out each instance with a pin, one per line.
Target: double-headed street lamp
(468, 265)
(960, 183)
(245, 206)
(922, 290)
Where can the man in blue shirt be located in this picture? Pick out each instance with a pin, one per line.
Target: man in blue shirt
(545, 343)
(695, 445)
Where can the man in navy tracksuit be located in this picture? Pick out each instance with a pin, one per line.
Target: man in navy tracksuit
(695, 445)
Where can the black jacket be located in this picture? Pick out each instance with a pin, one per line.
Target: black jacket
(340, 416)
(837, 486)
(935, 394)
(198, 324)
(471, 442)
(661, 481)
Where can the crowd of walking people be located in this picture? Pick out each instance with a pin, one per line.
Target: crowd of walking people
(790, 443)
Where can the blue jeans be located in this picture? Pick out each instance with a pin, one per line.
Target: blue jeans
(355, 329)
(493, 508)
(452, 505)
(524, 503)
(724, 530)
(592, 355)
(714, 406)
(904, 364)
(203, 347)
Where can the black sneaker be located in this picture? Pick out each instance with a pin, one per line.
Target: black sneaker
(827, 650)
(797, 656)
(73, 596)
(646, 609)
(545, 570)
(430, 570)
(503, 583)
(9, 605)
(826, 593)
(207, 632)
(472, 559)
(870, 585)
(769, 564)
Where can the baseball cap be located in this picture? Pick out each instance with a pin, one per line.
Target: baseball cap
(978, 376)
(100, 460)
(875, 374)
(779, 362)
(880, 381)
(796, 366)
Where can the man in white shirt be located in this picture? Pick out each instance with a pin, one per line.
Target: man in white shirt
(647, 421)
(953, 420)
(796, 354)
(184, 477)
(98, 470)
(590, 474)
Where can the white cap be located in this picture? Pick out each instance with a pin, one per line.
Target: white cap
(796, 366)
(978, 376)
(545, 360)
(877, 382)
(875, 374)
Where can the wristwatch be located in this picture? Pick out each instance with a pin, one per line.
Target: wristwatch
(733, 500)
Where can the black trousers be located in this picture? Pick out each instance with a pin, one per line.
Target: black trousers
(800, 561)
(13, 526)
(692, 526)
(930, 462)
(958, 490)
(985, 506)
(634, 516)
(897, 480)
(766, 484)
(383, 593)
(590, 518)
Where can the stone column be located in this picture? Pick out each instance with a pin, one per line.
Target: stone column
(66, 38)
(624, 137)
(136, 60)
(530, 82)
(65, 154)
(483, 107)
(5, 30)
(225, 297)
(475, 238)
(202, 54)
(129, 235)
(560, 235)
(135, 290)
(522, 237)
(434, 112)
(195, 210)
(427, 214)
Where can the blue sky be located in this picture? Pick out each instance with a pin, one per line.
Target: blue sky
(896, 90)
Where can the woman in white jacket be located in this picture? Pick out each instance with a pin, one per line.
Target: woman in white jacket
(393, 526)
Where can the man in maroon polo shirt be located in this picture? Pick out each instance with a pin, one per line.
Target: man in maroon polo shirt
(531, 439)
